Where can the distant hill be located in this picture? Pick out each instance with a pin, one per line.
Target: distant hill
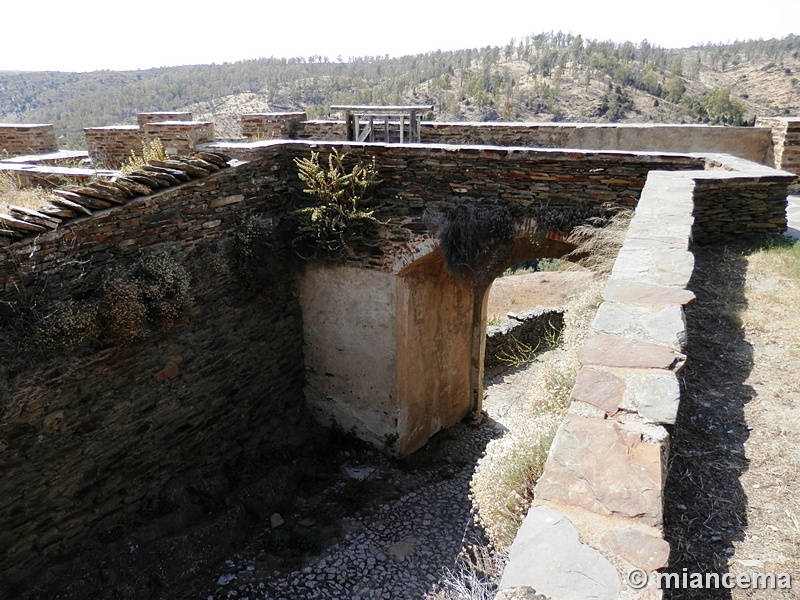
(545, 77)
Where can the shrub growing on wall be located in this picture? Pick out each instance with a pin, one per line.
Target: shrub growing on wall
(338, 219)
(469, 235)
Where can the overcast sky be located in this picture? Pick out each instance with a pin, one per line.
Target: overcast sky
(91, 35)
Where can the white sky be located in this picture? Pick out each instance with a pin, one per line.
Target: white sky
(85, 35)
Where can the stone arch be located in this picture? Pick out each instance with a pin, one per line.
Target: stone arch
(394, 355)
(441, 332)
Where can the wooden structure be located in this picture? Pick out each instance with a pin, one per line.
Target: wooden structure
(389, 124)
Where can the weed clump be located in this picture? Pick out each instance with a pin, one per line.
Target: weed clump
(123, 309)
(151, 150)
(67, 327)
(471, 236)
(338, 219)
(164, 286)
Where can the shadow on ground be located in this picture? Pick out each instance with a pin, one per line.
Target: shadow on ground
(705, 505)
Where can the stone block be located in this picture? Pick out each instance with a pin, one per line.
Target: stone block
(605, 467)
(548, 556)
(663, 325)
(602, 349)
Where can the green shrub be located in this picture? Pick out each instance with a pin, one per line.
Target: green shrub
(337, 220)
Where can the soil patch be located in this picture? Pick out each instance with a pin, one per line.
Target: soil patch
(518, 293)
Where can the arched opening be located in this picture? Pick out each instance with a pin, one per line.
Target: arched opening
(394, 357)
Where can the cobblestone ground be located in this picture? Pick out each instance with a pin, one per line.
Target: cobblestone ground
(398, 547)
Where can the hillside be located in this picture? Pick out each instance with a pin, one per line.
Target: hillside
(543, 77)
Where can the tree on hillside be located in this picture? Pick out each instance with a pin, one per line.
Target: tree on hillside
(722, 108)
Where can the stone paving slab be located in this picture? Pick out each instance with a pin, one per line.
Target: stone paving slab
(664, 325)
(644, 293)
(548, 556)
(605, 467)
(670, 267)
(603, 349)
(654, 394)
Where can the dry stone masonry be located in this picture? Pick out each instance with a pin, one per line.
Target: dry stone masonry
(135, 441)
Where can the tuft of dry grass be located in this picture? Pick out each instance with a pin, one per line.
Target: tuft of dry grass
(14, 193)
(599, 242)
(474, 577)
(501, 488)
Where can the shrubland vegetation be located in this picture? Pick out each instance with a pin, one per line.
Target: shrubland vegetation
(549, 76)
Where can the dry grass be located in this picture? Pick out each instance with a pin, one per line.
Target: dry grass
(474, 577)
(599, 243)
(502, 485)
(733, 489)
(14, 193)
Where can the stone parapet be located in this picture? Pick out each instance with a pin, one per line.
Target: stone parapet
(321, 130)
(266, 126)
(785, 140)
(746, 142)
(161, 116)
(180, 137)
(111, 146)
(26, 138)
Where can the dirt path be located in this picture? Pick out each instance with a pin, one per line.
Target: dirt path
(518, 293)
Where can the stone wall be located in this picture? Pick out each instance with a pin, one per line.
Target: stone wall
(264, 126)
(16, 140)
(180, 137)
(160, 117)
(785, 141)
(101, 439)
(111, 146)
(321, 130)
(735, 198)
(746, 142)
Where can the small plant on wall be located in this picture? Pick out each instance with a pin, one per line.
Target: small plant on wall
(151, 150)
(338, 219)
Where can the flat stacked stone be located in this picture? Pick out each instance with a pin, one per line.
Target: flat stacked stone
(83, 200)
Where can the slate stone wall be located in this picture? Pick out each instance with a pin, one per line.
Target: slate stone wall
(111, 146)
(99, 440)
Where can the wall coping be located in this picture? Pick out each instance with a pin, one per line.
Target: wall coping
(583, 527)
